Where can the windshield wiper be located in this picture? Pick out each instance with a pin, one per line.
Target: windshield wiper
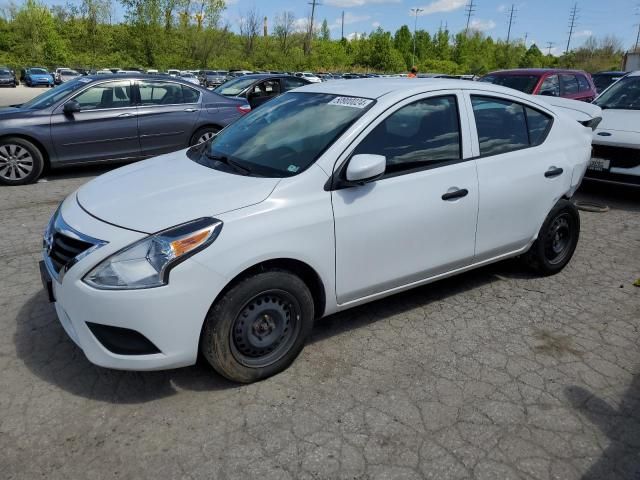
(227, 161)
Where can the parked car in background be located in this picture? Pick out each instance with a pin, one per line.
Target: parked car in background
(602, 80)
(56, 72)
(65, 74)
(212, 78)
(8, 77)
(308, 76)
(259, 88)
(616, 141)
(189, 77)
(173, 72)
(152, 71)
(573, 84)
(304, 208)
(108, 118)
(36, 76)
(104, 71)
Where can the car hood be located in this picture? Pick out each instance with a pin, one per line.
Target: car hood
(159, 193)
(620, 120)
(39, 76)
(7, 113)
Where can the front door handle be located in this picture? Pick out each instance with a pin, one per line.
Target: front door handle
(125, 115)
(553, 172)
(455, 194)
(190, 109)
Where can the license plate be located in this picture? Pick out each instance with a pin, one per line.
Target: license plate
(47, 282)
(599, 164)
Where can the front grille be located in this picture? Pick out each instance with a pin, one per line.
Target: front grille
(619, 156)
(64, 249)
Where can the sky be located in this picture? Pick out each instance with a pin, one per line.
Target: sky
(542, 21)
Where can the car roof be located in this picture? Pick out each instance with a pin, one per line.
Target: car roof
(538, 71)
(611, 72)
(634, 74)
(378, 87)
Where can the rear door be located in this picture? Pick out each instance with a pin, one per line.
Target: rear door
(520, 174)
(167, 114)
(106, 127)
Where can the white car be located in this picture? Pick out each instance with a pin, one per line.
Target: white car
(173, 72)
(189, 77)
(327, 197)
(309, 76)
(616, 141)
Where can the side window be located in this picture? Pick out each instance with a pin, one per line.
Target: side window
(106, 95)
(423, 133)
(191, 95)
(160, 93)
(583, 83)
(569, 84)
(268, 88)
(539, 124)
(501, 124)
(291, 82)
(550, 86)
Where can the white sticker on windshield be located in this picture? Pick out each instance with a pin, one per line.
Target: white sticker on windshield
(354, 102)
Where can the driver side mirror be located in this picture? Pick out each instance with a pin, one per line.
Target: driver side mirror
(366, 167)
(71, 107)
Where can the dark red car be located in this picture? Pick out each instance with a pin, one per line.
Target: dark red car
(554, 82)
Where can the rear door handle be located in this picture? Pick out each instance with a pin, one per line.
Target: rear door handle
(553, 172)
(462, 192)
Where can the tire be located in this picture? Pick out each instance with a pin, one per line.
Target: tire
(557, 240)
(258, 327)
(21, 162)
(203, 134)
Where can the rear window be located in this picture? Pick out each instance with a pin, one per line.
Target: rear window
(523, 83)
(569, 84)
(583, 83)
(38, 71)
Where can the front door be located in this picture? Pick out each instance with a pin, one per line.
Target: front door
(105, 128)
(419, 219)
(166, 116)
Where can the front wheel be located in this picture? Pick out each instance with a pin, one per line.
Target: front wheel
(21, 162)
(557, 240)
(258, 327)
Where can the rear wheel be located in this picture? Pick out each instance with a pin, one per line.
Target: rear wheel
(203, 134)
(258, 327)
(557, 240)
(21, 161)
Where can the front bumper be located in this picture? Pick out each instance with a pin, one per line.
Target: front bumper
(610, 164)
(169, 317)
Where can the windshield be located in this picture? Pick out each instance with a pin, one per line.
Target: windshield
(38, 71)
(285, 136)
(50, 97)
(524, 83)
(623, 95)
(603, 80)
(69, 72)
(5, 72)
(234, 87)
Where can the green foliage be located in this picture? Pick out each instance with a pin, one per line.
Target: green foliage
(187, 34)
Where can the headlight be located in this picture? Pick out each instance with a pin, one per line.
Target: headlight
(147, 262)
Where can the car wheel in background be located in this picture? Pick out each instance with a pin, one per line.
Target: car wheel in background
(258, 327)
(21, 161)
(203, 134)
(557, 240)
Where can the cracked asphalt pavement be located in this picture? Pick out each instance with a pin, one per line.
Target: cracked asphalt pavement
(494, 374)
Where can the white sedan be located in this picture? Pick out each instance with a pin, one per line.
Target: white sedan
(327, 197)
(616, 141)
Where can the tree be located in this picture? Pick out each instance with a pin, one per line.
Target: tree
(325, 33)
(284, 28)
(533, 58)
(250, 28)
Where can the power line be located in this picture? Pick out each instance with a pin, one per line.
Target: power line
(416, 12)
(510, 21)
(572, 24)
(469, 8)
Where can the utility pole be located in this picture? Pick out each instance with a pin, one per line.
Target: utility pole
(637, 39)
(510, 22)
(526, 35)
(549, 46)
(313, 4)
(416, 12)
(470, 8)
(572, 24)
(342, 28)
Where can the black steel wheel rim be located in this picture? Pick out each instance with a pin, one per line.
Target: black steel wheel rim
(266, 328)
(558, 239)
